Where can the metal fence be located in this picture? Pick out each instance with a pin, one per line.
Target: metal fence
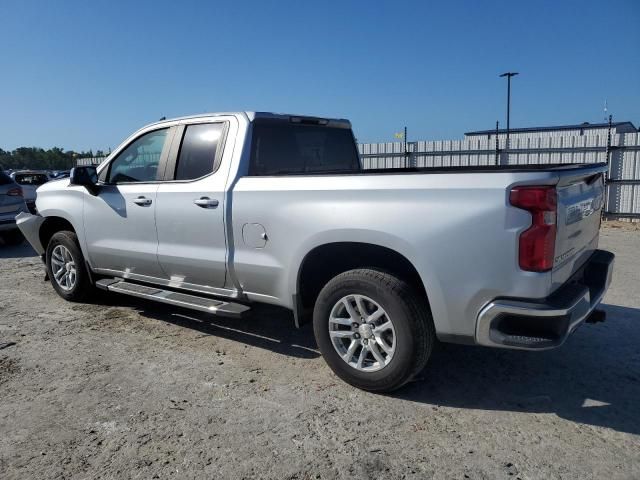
(86, 161)
(620, 151)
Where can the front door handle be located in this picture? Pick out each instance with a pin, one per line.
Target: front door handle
(142, 201)
(206, 202)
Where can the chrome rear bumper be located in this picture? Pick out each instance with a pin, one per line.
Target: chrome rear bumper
(543, 324)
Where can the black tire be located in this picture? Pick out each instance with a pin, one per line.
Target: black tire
(411, 318)
(12, 237)
(83, 287)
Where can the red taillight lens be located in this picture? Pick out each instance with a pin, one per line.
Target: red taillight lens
(537, 243)
(15, 192)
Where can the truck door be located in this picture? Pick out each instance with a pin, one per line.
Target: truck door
(119, 221)
(192, 246)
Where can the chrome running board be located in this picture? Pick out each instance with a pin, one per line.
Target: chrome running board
(193, 302)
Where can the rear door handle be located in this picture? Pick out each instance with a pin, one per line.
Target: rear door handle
(206, 202)
(142, 201)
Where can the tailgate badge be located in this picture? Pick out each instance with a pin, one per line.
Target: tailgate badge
(581, 210)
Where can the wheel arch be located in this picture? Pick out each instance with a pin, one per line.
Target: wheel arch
(327, 260)
(50, 226)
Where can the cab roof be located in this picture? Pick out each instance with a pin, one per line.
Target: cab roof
(252, 116)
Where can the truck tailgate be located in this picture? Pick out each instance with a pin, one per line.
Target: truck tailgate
(580, 202)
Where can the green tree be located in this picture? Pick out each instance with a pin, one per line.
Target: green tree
(36, 158)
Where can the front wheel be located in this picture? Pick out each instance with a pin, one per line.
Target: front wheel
(373, 329)
(66, 267)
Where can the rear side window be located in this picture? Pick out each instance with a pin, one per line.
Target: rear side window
(199, 150)
(31, 178)
(280, 148)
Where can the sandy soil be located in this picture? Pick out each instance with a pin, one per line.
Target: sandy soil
(129, 389)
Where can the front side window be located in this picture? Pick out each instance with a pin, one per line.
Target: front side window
(139, 161)
(198, 151)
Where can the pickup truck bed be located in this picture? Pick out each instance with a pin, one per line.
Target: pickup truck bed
(383, 261)
(478, 168)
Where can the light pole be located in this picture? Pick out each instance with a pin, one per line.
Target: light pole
(508, 75)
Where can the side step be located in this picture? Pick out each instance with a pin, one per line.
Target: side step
(194, 302)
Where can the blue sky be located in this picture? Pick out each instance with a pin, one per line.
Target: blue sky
(85, 74)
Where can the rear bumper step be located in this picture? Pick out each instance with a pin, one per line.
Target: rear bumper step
(193, 302)
(543, 324)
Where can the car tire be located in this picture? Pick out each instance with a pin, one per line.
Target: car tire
(12, 237)
(402, 348)
(73, 283)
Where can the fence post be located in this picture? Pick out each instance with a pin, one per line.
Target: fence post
(497, 143)
(607, 185)
(407, 162)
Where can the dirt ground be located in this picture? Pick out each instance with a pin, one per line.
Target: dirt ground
(124, 388)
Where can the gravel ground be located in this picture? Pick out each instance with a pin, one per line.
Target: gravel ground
(127, 389)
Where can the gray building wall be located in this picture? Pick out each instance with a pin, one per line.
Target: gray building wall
(585, 129)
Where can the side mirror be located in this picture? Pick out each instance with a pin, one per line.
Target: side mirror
(85, 176)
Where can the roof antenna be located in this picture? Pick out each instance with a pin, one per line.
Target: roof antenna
(606, 110)
(162, 118)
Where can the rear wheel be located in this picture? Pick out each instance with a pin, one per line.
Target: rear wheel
(373, 329)
(66, 267)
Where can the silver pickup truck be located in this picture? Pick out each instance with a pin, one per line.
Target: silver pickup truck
(217, 212)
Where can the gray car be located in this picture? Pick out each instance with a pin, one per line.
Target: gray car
(11, 204)
(219, 212)
(29, 181)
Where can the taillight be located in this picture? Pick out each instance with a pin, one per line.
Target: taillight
(537, 243)
(15, 192)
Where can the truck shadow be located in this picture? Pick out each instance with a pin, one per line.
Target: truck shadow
(23, 250)
(593, 379)
(267, 327)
